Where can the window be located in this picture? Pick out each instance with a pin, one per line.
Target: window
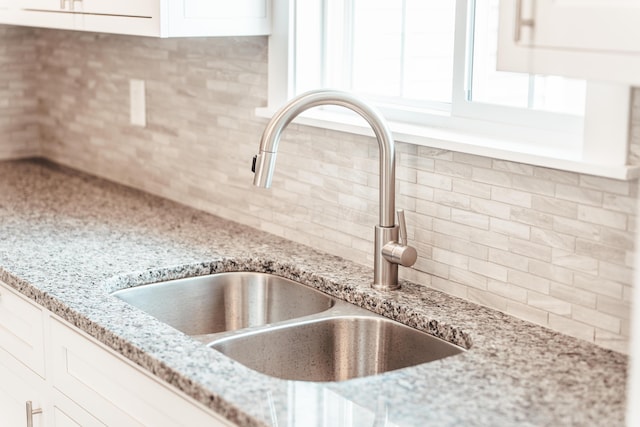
(429, 66)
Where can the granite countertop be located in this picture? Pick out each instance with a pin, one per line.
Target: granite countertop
(68, 239)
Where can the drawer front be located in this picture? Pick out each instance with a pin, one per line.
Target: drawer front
(22, 329)
(113, 390)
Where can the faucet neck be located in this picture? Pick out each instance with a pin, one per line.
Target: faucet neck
(265, 163)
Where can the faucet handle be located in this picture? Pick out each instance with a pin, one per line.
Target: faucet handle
(403, 227)
(400, 252)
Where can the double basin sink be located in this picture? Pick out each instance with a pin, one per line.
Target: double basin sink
(285, 329)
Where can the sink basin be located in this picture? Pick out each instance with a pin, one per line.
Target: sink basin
(215, 303)
(334, 348)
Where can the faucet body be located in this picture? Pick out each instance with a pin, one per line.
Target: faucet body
(388, 251)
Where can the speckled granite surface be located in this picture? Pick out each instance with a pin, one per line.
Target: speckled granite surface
(67, 240)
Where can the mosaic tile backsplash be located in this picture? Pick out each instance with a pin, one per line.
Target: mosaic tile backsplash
(549, 246)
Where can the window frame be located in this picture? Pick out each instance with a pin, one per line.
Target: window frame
(599, 148)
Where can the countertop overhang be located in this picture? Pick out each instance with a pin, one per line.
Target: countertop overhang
(67, 239)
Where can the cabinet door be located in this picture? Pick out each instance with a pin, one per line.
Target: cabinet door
(16, 388)
(218, 17)
(21, 329)
(594, 39)
(114, 391)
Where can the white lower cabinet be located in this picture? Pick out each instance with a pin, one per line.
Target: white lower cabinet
(72, 380)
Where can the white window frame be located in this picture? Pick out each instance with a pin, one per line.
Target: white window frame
(600, 148)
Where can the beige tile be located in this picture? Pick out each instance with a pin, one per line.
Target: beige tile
(603, 217)
(471, 188)
(533, 185)
(529, 313)
(471, 159)
(529, 281)
(449, 198)
(530, 249)
(507, 290)
(507, 166)
(556, 175)
(471, 219)
(434, 180)
(510, 228)
(491, 208)
(511, 197)
(597, 285)
(615, 307)
(467, 278)
(595, 318)
(450, 287)
(487, 299)
(599, 251)
(575, 262)
(490, 176)
(554, 206)
(548, 303)
(553, 239)
(450, 258)
(488, 269)
(571, 327)
(572, 295)
(616, 342)
(579, 195)
(605, 184)
(454, 169)
(509, 259)
(532, 217)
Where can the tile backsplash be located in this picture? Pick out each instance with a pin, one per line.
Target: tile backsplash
(19, 110)
(548, 246)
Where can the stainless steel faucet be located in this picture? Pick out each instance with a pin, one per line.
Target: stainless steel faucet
(391, 246)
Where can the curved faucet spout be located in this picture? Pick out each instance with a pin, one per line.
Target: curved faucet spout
(388, 252)
(265, 163)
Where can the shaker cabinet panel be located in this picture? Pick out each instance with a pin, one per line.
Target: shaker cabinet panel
(17, 387)
(595, 39)
(116, 392)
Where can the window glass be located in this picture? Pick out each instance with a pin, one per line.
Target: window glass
(403, 53)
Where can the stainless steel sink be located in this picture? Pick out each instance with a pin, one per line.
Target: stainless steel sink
(334, 348)
(215, 303)
(286, 329)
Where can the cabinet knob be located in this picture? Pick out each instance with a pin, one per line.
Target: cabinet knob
(31, 412)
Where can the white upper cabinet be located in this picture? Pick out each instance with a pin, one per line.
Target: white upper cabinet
(155, 18)
(591, 39)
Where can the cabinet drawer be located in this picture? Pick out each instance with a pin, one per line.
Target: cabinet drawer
(115, 391)
(22, 329)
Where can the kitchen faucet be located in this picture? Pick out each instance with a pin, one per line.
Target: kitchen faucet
(390, 244)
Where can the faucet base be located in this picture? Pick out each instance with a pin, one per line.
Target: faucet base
(385, 273)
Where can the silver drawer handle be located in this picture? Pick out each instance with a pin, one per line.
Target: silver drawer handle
(521, 22)
(31, 412)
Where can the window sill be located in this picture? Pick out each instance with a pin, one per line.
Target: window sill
(498, 147)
